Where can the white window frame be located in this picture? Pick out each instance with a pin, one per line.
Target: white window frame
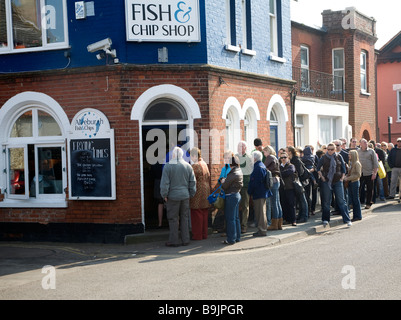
(364, 61)
(332, 130)
(229, 46)
(250, 127)
(244, 26)
(230, 127)
(299, 130)
(305, 66)
(399, 105)
(45, 46)
(245, 16)
(273, 29)
(338, 69)
(26, 171)
(44, 200)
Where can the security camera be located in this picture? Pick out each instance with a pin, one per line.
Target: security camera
(100, 45)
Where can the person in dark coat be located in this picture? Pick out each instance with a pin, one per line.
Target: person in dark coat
(301, 199)
(288, 174)
(257, 190)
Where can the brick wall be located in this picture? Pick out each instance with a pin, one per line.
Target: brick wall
(359, 34)
(311, 38)
(113, 91)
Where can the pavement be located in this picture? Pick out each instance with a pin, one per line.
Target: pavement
(22, 256)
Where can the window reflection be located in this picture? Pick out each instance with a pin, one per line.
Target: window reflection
(47, 126)
(26, 17)
(17, 170)
(22, 126)
(50, 175)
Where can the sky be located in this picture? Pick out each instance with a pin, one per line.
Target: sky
(385, 12)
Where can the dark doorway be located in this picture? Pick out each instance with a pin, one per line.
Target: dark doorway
(152, 171)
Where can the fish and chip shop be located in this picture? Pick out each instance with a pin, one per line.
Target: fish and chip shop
(163, 21)
(77, 125)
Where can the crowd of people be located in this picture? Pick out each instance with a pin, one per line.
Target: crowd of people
(277, 189)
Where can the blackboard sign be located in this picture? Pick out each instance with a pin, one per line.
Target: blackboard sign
(91, 171)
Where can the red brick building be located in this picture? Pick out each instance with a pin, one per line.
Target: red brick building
(123, 94)
(334, 66)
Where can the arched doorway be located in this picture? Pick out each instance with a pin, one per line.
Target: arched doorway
(164, 127)
(366, 135)
(165, 114)
(277, 115)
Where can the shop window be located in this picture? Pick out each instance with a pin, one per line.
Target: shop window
(33, 25)
(35, 157)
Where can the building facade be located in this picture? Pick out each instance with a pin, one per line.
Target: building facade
(94, 93)
(389, 90)
(334, 66)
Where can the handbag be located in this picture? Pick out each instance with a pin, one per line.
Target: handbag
(381, 171)
(217, 198)
(299, 188)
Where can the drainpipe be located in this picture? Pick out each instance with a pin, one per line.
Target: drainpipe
(293, 95)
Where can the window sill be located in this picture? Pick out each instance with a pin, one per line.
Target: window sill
(33, 203)
(248, 52)
(232, 48)
(275, 58)
(36, 49)
(365, 93)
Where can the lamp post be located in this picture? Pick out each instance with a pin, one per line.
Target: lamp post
(390, 122)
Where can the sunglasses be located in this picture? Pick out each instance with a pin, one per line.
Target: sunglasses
(330, 149)
(283, 157)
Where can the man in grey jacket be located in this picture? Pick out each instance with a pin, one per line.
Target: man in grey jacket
(177, 185)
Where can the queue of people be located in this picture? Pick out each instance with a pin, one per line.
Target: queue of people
(347, 176)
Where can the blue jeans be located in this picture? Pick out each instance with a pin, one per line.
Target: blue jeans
(353, 198)
(303, 207)
(338, 190)
(276, 211)
(231, 211)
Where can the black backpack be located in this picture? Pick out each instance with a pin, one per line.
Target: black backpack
(269, 180)
(305, 175)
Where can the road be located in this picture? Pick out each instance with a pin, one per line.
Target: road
(361, 262)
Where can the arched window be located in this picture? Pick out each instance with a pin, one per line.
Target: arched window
(229, 145)
(250, 127)
(164, 110)
(35, 156)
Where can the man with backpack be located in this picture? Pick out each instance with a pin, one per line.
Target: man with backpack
(258, 191)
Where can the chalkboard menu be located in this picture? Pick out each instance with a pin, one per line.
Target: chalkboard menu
(90, 168)
(91, 157)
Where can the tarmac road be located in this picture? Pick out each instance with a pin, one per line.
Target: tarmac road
(294, 258)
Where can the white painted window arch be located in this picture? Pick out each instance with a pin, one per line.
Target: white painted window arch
(277, 110)
(251, 116)
(232, 114)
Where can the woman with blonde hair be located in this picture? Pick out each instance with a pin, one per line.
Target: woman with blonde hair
(273, 205)
(353, 177)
